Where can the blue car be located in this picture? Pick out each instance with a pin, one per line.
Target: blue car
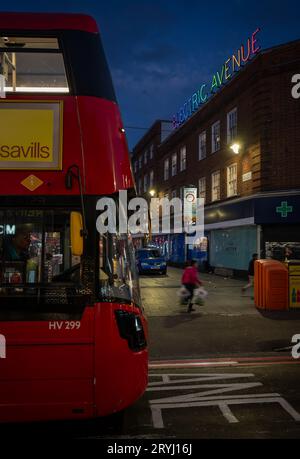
(150, 260)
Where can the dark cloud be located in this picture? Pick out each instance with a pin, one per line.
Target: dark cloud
(155, 53)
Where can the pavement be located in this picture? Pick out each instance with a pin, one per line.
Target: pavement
(159, 294)
(227, 325)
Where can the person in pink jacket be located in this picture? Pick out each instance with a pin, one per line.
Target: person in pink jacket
(190, 280)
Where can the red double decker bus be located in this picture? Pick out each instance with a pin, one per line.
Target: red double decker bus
(70, 308)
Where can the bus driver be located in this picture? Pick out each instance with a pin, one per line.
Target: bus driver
(16, 248)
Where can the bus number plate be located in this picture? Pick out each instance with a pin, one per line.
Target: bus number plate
(65, 325)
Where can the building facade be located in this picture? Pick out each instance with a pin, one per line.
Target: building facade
(145, 157)
(241, 150)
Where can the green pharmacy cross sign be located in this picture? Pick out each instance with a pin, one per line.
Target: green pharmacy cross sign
(284, 209)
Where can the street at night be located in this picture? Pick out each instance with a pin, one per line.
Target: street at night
(223, 371)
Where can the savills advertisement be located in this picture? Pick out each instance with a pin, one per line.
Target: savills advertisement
(30, 135)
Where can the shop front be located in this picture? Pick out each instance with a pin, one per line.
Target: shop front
(262, 224)
(279, 219)
(232, 248)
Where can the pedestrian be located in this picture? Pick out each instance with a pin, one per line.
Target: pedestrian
(190, 280)
(250, 273)
(288, 253)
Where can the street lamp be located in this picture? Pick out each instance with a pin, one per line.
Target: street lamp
(152, 193)
(235, 147)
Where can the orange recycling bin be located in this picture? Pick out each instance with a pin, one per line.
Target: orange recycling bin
(271, 285)
(258, 282)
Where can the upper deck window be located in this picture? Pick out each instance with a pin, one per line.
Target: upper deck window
(31, 65)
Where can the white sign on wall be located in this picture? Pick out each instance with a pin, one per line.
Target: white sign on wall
(190, 206)
(247, 176)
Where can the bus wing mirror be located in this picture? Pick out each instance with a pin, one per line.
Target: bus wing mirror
(76, 234)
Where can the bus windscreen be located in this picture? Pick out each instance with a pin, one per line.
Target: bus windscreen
(35, 249)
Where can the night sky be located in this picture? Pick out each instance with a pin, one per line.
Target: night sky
(160, 51)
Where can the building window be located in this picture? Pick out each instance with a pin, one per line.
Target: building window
(202, 188)
(181, 192)
(232, 180)
(135, 166)
(174, 164)
(145, 183)
(215, 186)
(151, 151)
(140, 186)
(183, 158)
(215, 137)
(174, 194)
(146, 157)
(151, 179)
(166, 169)
(140, 162)
(202, 145)
(231, 125)
(32, 65)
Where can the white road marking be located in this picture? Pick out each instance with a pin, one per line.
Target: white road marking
(227, 388)
(223, 405)
(166, 378)
(209, 398)
(191, 364)
(216, 389)
(227, 413)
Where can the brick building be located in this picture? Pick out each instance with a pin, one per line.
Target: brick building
(252, 194)
(145, 157)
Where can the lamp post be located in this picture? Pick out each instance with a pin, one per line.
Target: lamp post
(152, 193)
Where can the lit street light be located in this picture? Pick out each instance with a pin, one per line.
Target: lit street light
(235, 147)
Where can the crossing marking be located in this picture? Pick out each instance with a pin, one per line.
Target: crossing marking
(212, 395)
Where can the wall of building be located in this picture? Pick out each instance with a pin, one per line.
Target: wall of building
(268, 132)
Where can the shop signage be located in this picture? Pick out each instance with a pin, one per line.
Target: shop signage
(232, 65)
(30, 135)
(284, 209)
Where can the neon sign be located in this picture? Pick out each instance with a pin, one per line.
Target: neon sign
(231, 65)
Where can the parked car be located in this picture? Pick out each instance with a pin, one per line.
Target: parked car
(150, 260)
